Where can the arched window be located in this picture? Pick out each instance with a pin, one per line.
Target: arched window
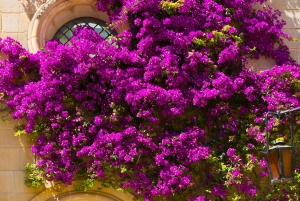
(52, 16)
(65, 32)
(90, 196)
(61, 192)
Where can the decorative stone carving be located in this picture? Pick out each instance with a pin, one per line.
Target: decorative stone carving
(31, 6)
(52, 14)
(45, 7)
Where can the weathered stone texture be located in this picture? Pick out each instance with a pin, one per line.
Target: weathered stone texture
(9, 159)
(10, 6)
(24, 21)
(10, 23)
(7, 181)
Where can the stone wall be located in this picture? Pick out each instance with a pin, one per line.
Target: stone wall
(15, 17)
(290, 10)
(14, 154)
(14, 151)
(14, 22)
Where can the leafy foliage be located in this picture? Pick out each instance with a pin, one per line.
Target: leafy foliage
(170, 111)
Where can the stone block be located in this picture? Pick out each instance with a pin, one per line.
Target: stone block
(3, 196)
(23, 23)
(88, 8)
(292, 18)
(294, 33)
(10, 123)
(262, 63)
(11, 35)
(295, 54)
(20, 197)
(62, 17)
(88, 14)
(10, 23)
(23, 39)
(89, 196)
(20, 186)
(279, 4)
(26, 157)
(7, 181)
(51, 30)
(289, 9)
(102, 15)
(10, 6)
(9, 159)
(7, 139)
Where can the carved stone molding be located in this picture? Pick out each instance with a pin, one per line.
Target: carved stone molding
(68, 193)
(52, 14)
(31, 6)
(45, 6)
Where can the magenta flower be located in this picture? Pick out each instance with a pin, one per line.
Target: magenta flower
(167, 109)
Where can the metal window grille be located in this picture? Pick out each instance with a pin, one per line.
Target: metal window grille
(65, 33)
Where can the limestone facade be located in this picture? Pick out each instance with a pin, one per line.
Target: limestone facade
(33, 22)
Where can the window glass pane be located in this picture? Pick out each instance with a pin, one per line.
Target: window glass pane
(58, 35)
(69, 34)
(65, 33)
(104, 34)
(63, 40)
(92, 24)
(63, 30)
(98, 29)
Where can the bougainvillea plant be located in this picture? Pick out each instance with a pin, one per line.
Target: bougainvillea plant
(171, 110)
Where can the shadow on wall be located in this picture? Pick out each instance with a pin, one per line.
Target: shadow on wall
(287, 4)
(280, 4)
(290, 12)
(31, 6)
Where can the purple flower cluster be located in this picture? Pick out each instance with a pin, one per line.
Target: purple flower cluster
(170, 109)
